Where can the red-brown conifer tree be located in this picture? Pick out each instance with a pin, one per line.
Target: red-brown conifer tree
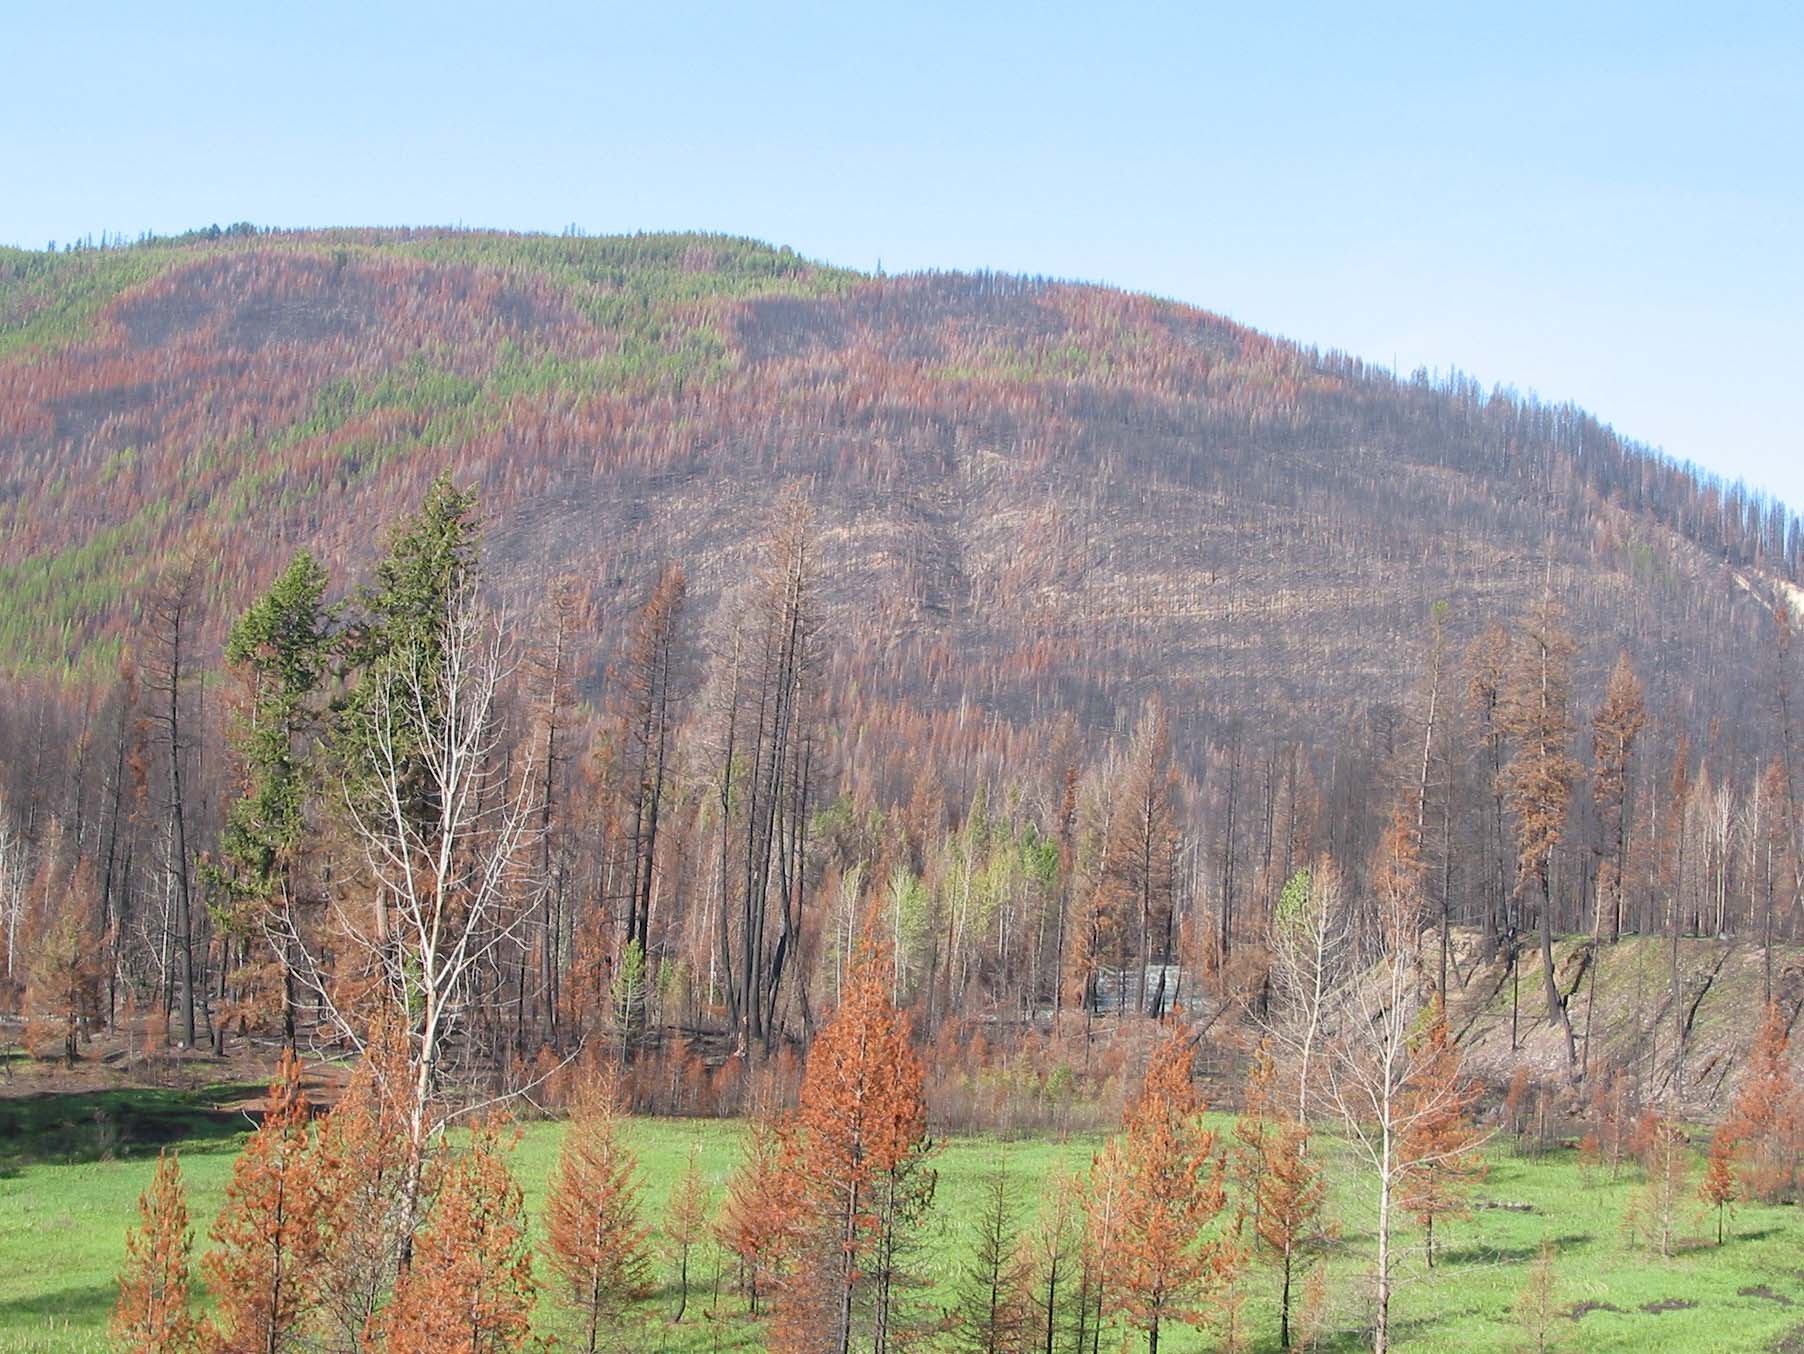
(468, 1288)
(152, 1315)
(1166, 1264)
(263, 1267)
(861, 1151)
(594, 1239)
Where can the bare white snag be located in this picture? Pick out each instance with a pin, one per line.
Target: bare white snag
(1373, 1078)
(445, 828)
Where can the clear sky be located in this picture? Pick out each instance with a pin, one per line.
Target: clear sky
(1597, 202)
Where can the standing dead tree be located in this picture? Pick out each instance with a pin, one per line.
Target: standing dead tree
(448, 879)
(651, 692)
(766, 750)
(1311, 947)
(1140, 859)
(1613, 733)
(1537, 782)
(1379, 1073)
(553, 665)
(167, 670)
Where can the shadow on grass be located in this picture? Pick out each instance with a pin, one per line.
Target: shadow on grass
(1508, 1255)
(88, 1304)
(65, 1128)
(1754, 1234)
(1403, 1330)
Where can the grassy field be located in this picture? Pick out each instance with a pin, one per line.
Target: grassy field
(69, 1181)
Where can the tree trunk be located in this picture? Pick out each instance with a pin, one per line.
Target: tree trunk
(1556, 1009)
(1284, 1305)
(184, 914)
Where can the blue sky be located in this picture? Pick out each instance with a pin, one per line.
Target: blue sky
(1602, 203)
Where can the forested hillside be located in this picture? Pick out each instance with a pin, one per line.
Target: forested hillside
(507, 674)
(823, 593)
(1077, 488)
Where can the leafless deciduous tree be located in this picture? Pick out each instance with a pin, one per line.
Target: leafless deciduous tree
(452, 879)
(1375, 1068)
(1311, 948)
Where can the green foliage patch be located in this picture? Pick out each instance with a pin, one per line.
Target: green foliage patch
(658, 301)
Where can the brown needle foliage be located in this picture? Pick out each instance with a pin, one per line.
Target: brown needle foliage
(364, 1149)
(263, 1267)
(1537, 783)
(469, 1287)
(761, 1213)
(1245, 1158)
(1653, 1214)
(1606, 1143)
(152, 1316)
(1613, 733)
(1165, 1264)
(594, 1239)
(1439, 1140)
(62, 999)
(1720, 1189)
(1291, 1192)
(1767, 1116)
(1537, 1304)
(860, 1151)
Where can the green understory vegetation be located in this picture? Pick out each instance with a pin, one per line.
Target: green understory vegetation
(71, 1169)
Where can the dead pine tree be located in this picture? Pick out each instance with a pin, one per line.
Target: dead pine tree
(1787, 757)
(1143, 849)
(1430, 700)
(860, 1155)
(1281, 1184)
(152, 1315)
(1720, 1188)
(686, 1225)
(595, 1242)
(61, 1000)
(651, 685)
(1766, 1117)
(1487, 667)
(1171, 1257)
(765, 692)
(553, 666)
(1537, 1304)
(267, 1243)
(364, 1160)
(470, 1288)
(761, 1214)
(1613, 733)
(1536, 712)
(993, 1314)
(1439, 1139)
(169, 669)
(1653, 1213)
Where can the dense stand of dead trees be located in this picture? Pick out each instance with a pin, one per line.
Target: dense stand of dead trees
(415, 917)
(687, 839)
(767, 830)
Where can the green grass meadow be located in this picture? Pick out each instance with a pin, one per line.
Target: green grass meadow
(69, 1183)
